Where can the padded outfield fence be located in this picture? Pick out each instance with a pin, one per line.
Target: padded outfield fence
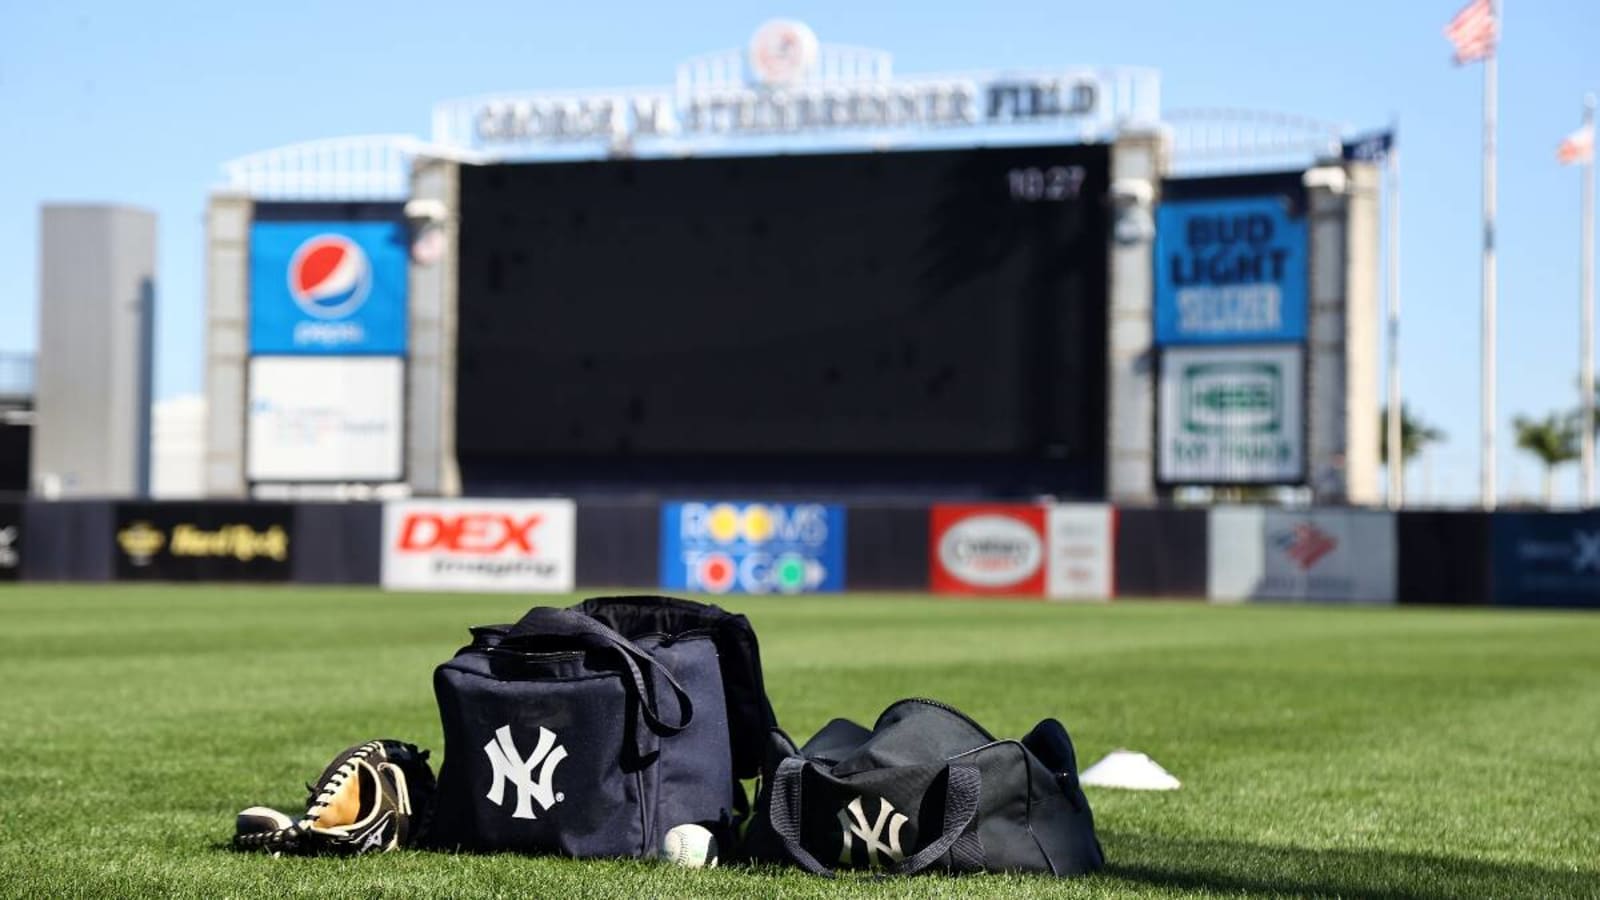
(1051, 551)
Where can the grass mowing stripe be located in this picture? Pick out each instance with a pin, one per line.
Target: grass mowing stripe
(1325, 751)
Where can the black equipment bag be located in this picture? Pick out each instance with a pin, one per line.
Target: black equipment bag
(926, 788)
(592, 731)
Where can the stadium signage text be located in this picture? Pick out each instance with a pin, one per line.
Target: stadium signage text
(752, 548)
(789, 111)
(469, 534)
(325, 419)
(511, 545)
(1081, 554)
(328, 287)
(1331, 555)
(987, 549)
(991, 551)
(239, 542)
(1230, 271)
(203, 541)
(1230, 415)
(786, 83)
(1546, 560)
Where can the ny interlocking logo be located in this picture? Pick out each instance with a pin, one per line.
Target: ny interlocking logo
(853, 820)
(511, 768)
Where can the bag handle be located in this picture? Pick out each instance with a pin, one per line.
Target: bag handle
(547, 621)
(963, 788)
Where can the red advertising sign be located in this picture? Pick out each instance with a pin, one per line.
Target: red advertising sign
(987, 549)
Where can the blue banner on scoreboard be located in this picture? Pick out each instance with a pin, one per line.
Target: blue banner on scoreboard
(752, 548)
(1230, 271)
(328, 287)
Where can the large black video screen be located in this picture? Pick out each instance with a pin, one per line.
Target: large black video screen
(866, 305)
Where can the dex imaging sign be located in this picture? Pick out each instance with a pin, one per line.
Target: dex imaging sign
(328, 287)
(1231, 416)
(752, 548)
(1229, 271)
(479, 545)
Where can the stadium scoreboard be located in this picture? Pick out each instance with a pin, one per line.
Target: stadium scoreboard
(927, 303)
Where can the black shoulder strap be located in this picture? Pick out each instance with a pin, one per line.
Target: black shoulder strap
(543, 622)
(750, 714)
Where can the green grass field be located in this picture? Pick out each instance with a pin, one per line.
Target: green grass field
(1324, 751)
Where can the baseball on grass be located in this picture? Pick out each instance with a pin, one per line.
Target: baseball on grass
(691, 846)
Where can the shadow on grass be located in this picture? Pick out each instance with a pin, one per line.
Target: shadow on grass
(1230, 867)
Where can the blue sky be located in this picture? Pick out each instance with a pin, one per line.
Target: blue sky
(141, 103)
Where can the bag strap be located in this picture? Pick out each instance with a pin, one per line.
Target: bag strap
(546, 621)
(963, 788)
(785, 814)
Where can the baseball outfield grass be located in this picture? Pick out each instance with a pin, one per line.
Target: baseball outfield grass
(1370, 753)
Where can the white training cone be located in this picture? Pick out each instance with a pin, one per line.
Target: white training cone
(1131, 770)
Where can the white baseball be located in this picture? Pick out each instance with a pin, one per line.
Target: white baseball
(691, 846)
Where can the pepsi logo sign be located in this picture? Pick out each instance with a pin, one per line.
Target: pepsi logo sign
(991, 551)
(329, 276)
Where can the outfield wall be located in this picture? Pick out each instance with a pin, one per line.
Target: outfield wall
(1064, 552)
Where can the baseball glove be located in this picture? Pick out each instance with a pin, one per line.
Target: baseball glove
(373, 797)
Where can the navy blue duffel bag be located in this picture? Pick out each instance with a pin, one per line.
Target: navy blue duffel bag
(592, 731)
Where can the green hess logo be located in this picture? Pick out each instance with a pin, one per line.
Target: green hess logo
(1232, 398)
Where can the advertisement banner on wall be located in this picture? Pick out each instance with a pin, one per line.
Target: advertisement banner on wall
(737, 547)
(1080, 562)
(335, 288)
(479, 545)
(203, 541)
(325, 419)
(1230, 271)
(10, 540)
(1546, 559)
(1333, 555)
(1231, 416)
(987, 549)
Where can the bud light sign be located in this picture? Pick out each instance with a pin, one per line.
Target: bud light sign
(752, 548)
(1230, 271)
(328, 287)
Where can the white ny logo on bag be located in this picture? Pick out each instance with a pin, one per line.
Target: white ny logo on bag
(510, 767)
(871, 838)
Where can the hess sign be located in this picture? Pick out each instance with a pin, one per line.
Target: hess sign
(509, 545)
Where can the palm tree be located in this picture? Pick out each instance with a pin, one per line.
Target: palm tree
(1554, 439)
(1415, 434)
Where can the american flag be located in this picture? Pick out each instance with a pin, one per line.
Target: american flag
(1305, 544)
(1577, 147)
(1474, 31)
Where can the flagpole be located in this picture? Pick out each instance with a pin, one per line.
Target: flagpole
(1586, 291)
(1490, 65)
(1397, 460)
